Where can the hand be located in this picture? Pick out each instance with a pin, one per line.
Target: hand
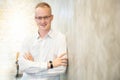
(60, 61)
(28, 56)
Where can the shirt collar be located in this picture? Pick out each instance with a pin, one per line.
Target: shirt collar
(50, 34)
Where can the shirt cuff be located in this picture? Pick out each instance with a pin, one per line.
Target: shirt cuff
(41, 65)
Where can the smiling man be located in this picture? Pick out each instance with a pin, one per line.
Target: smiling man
(43, 55)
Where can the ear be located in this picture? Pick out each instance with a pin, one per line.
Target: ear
(52, 16)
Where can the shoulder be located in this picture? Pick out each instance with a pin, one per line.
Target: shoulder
(58, 34)
(30, 38)
(59, 37)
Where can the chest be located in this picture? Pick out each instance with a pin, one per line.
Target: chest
(44, 50)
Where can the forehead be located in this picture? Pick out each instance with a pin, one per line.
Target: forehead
(42, 11)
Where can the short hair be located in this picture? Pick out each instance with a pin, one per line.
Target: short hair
(43, 4)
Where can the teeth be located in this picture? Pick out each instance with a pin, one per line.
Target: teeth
(42, 26)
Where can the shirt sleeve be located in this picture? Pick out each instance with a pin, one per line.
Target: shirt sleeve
(61, 69)
(30, 66)
(53, 72)
(40, 68)
(26, 65)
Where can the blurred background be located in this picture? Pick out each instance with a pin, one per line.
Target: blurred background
(92, 30)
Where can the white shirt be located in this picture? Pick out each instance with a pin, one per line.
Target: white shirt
(42, 50)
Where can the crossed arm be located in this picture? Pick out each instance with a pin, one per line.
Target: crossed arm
(30, 66)
(59, 61)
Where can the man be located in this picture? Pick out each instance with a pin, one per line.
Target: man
(43, 56)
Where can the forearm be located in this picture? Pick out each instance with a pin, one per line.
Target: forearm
(30, 66)
(56, 71)
(53, 72)
(56, 67)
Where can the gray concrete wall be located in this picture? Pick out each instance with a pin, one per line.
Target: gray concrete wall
(92, 29)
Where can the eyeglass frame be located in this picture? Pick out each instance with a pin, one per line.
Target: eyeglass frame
(44, 17)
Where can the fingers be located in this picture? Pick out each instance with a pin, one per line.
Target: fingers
(60, 62)
(25, 56)
(28, 56)
(64, 62)
(63, 54)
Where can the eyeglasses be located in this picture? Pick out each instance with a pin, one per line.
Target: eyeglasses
(44, 17)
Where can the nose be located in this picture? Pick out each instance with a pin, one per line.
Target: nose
(42, 20)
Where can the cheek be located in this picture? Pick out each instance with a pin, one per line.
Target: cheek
(37, 21)
(49, 21)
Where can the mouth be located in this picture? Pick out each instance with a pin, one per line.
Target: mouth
(43, 25)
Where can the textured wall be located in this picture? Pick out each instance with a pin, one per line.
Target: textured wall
(91, 26)
(94, 40)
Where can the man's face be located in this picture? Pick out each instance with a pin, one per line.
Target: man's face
(43, 18)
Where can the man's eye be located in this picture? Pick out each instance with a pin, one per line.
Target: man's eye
(46, 17)
(39, 17)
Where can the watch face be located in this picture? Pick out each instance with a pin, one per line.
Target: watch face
(51, 65)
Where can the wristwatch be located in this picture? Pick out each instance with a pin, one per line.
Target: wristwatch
(51, 64)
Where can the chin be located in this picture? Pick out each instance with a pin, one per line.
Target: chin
(44, 29)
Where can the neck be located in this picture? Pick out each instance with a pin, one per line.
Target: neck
(42, 33)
